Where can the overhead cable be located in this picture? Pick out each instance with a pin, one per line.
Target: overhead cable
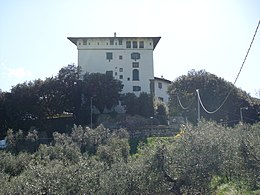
(232, 88)
(184, 108)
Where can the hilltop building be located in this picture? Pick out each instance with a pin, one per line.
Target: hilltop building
(128, 59)
(160, 87)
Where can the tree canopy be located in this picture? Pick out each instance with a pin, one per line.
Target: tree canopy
(213, 91)
(103, 89)
(32, 103)
(141, 105)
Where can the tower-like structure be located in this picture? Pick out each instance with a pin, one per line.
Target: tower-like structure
(128, 59)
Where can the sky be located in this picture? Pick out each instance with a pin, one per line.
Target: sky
(213, 35)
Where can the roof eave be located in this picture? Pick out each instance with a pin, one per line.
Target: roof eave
(74, 39)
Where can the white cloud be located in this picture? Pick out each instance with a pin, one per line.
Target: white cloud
(18, 73)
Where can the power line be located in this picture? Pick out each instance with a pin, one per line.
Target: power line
(184, 108)
(212, 112)
(247, 51)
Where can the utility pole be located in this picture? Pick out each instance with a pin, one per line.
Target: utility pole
(197, 90)
(91, 111)
(241, 113)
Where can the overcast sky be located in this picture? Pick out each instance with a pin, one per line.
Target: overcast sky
(196, 34)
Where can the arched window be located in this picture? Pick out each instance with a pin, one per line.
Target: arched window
(135, 75)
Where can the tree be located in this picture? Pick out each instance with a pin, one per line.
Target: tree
(130, 101)
(145, 104)
(88, 139)
(62, 93)
(142, 105)
(161, 112)
(213, 91)
(3, 115)
(22, 105)
(70, 82)
(103, 89)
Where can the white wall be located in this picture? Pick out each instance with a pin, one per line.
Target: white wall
(92, 59)
(161, 92)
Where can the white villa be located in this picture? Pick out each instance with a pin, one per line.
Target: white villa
(129, 59)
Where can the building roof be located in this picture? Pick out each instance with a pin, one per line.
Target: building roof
(162, 79)
(155, 39)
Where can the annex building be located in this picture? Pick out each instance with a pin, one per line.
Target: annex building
(128, 59)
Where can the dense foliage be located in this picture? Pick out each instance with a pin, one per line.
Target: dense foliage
(213, 91)
(141, 105)
(207, 159)
(34, 103)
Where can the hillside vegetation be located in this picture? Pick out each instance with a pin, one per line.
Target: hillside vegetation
(215, 92)
(208, 159)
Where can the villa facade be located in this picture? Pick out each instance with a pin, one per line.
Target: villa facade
(128, 59)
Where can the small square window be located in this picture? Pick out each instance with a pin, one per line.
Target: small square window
(136, 88)
(120, 76)
(141, 44)
(134, 44)
(109, 73)
(120, 69)
(128, 78)
(135, 64)
(120, 57)
(109, 56)
(128, 44)
(111, 41)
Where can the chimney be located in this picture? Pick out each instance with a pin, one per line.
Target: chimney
(114, 34)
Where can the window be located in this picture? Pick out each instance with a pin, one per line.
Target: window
(135, 75)
(135, 56)
(141, 44)
(120, 69)
(109, 56)
(134, 44)
(109, 73)
(115, 73)
(79, 43)
(111, 41)
(120, 42)
(160, 98)
(135, 64)
(136, 88)
(128, 44)
(120, 76)
(120, 57)
(159, 85)
(128, 79)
